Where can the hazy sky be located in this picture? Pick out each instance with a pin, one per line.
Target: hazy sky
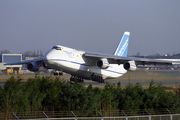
(90, 25)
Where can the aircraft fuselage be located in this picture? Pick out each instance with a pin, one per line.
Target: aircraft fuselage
(75, 63)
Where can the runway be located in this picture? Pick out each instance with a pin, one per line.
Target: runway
(165, 77)
(142, 83)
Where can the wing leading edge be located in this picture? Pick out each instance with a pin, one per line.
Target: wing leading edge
(112, 59)
(25, 62)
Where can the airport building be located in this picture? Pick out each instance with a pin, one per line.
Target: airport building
(10, 58)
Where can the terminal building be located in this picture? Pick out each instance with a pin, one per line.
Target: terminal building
(10, 58)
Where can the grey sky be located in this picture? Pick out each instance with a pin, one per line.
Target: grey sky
(90, 25)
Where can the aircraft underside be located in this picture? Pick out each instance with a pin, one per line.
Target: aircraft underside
(93, 78)
(80, 75)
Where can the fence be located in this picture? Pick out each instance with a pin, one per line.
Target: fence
(143, 114)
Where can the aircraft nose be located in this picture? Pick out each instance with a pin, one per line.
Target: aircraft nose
(48, 57)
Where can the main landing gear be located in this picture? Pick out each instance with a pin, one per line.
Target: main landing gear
(74, 78)
(58, 73)
(97, 78)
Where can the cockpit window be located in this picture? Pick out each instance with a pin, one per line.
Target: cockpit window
(57, 48)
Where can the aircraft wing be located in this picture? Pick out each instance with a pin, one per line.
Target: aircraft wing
(113, 59)
(25, 62)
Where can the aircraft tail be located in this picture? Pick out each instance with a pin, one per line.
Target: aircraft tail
(122, 48)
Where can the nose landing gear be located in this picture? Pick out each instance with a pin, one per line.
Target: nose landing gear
(58, 73)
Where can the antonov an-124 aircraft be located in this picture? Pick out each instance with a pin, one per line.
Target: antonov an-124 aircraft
(91, 66)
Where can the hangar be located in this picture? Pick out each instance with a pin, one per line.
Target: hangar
(10, 58)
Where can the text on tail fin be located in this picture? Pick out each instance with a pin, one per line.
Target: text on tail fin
(122, 48)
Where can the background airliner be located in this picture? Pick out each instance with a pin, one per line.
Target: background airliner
(90, 66)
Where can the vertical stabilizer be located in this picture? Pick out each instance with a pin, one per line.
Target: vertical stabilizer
(122, 48)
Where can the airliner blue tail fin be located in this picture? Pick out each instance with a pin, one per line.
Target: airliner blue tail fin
(122, 48)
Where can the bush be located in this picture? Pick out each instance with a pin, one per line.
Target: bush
(48, 94)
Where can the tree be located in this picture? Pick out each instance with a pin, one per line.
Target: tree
(5, 52)
(28, 53)
(138, 54)
(41, 53)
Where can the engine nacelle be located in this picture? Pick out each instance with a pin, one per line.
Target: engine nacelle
(130, 65)
(44, 65)
(33, 67)
(103, 63)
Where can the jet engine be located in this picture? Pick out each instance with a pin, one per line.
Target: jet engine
(33, 67)
(44, 65)
(102, 63)
(130, 65)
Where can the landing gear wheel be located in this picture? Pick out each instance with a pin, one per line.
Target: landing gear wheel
(60, 74)
(55, 74)
(79, 80)
(97, 78)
